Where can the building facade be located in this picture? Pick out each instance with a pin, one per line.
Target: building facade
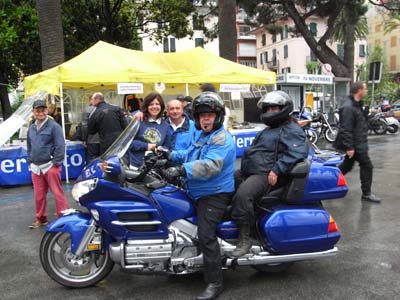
(246, 41)
(388, 41)
(283, 52)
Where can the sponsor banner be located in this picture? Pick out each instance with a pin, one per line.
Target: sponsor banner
(14, 167)
(130, 88)
(243, 139)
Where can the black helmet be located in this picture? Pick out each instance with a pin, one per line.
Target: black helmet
(209, 102)
(275, 98)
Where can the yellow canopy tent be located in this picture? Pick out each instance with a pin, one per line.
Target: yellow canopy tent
(104, 65)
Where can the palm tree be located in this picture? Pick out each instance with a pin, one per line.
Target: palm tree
(50, 32)
(351, 25)
(391, 23)
(227, 29)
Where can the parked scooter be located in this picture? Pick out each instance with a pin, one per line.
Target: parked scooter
(393, 124)
(136, 219)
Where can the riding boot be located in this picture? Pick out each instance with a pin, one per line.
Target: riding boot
(244, 244)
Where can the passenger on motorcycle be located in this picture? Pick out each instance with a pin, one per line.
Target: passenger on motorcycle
(274, 152)
(153, 131)
(208, 166)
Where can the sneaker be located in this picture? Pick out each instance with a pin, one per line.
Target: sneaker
(37, 224)
(371, 198)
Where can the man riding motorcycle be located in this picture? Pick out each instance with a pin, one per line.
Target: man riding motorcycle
(208, 166)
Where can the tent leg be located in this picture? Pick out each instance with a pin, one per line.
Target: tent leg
(187, 89)
(63, 129)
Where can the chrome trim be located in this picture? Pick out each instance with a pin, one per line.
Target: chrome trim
(267, 258)
(135, 223)
(86, 238)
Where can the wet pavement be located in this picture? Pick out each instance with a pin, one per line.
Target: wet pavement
(366, 267)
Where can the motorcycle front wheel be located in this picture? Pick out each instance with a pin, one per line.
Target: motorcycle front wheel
(68, 269)
(380, 127)
(330, 134)
(312, 136)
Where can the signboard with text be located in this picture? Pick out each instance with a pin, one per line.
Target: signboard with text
(130, 88)
(304, 78)
(234, 87)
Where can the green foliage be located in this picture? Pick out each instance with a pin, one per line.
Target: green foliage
(19, 40)
(119, 22)
(356, 13)
(387, 85)
(391, 22)
(312, 67)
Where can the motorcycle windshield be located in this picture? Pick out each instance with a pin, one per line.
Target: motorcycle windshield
(121, 144)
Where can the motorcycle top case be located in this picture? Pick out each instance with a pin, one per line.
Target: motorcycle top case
(289, 230)
(322, 184)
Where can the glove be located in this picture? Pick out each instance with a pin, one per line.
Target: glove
(172, 173)
(162, 152)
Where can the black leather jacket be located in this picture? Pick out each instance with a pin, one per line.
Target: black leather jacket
(108, 122)
(353, 127)
(292, 148)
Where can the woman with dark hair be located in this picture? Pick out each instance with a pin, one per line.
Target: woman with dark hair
(153, 131)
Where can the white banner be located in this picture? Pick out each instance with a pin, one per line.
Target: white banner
(130, 88)
(304, 78)
(234, 87)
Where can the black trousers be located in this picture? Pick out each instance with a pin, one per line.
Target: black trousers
(247, 191)
(210, 211)
(365, 169)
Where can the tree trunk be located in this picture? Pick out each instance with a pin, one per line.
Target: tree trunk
(349, 40)
(5, 101)
(320, 49)
(50, 32)
(227, 29)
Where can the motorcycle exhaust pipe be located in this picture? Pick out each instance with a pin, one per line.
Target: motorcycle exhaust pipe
(265, 258)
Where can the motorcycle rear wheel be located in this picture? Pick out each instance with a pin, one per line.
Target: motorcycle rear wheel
(330, 134)
(273, 268)
(380, 127)
(68, 269)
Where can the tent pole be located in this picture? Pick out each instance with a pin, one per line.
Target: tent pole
(187, 89)
(63, 130)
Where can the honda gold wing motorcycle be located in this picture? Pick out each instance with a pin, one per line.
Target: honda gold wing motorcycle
(135, 219)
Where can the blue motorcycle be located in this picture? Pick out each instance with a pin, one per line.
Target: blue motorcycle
(136, 219)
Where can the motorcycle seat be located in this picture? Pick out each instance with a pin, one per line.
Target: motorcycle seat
(293, 191)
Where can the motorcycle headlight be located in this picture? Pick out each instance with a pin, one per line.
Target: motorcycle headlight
(82, 188)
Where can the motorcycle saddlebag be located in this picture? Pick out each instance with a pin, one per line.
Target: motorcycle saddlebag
(300, 229)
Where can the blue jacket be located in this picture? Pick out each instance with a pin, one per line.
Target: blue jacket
(209, 163)
(46, 144)
(149, 133)
(182, 137)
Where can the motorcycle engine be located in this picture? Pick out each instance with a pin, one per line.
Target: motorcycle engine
(158, 255)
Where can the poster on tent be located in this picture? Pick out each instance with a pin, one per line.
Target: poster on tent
(130, 88)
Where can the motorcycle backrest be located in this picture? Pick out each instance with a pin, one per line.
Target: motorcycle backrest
(294, 191)
(297, 185)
